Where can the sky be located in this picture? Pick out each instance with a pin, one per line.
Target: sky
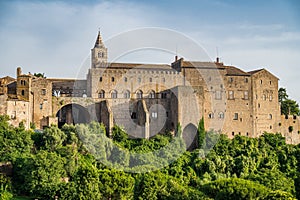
(55, 37)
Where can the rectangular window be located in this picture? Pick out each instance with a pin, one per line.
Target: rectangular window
(230, 80)
(163, 95)
(13, 115)
(218, 95)
(43, 91)
(154, 115)
(246, 95)
(230, 94)
(236, 116)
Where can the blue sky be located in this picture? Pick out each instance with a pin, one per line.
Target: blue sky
(55, 37)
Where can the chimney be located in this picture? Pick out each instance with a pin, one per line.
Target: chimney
(217, 60)
(176, 58)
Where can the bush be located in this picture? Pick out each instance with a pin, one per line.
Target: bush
(234, 188)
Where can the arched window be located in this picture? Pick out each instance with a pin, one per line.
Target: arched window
(100, 79)
(126, 94)
(139, 94)
(221, 115)
(270, 116)
(264, 97)
(114, 94)
(23, 92)
(151, 94)
(210, 115)
(112, 79)
(101, 94)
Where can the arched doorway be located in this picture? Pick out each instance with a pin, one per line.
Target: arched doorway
(189, 135)
(72, 114)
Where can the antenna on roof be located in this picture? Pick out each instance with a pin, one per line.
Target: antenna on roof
(176, 56)
(218, 59)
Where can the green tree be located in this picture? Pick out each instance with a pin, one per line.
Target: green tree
(234, 188)
(5, 188)
(282, 95)
(52, 138)
(41, 75)
(14, 142)
(287, 106)
(39, 175)
(178, 132)
(116, 184)
(84, 184)
(201, 133)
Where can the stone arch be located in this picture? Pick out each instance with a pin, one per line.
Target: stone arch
(126, 94)
(139, 94)
(114, 94)
(72, 114)
(151, 94)
(101, 94)
(189, 135)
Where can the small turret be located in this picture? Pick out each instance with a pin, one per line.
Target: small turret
(19, 71)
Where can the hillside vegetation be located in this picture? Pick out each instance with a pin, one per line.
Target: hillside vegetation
(81, 162)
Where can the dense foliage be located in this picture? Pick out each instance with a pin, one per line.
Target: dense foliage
(80, 162)
(287, 106)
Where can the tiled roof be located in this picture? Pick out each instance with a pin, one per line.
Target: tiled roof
(255, 71)
(139, 66)
(198, 64)
(234, 71)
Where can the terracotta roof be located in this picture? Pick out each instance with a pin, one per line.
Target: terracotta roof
(234, 71)
(8, 79)
(139, 66)
(255, 71)
(259, 70)
(198, 64)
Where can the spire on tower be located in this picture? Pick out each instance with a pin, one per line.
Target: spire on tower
(99, 40)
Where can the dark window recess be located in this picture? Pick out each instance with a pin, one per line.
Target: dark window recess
(23, 92)
(232, 133)
(133, 115)
(100, 79)
(236, 116)
(163, 95)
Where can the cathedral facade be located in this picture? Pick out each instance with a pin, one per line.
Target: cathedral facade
(146, 99)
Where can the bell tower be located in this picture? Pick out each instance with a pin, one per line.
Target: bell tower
(99, 53)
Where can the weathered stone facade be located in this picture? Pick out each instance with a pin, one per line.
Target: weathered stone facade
(149, 98)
